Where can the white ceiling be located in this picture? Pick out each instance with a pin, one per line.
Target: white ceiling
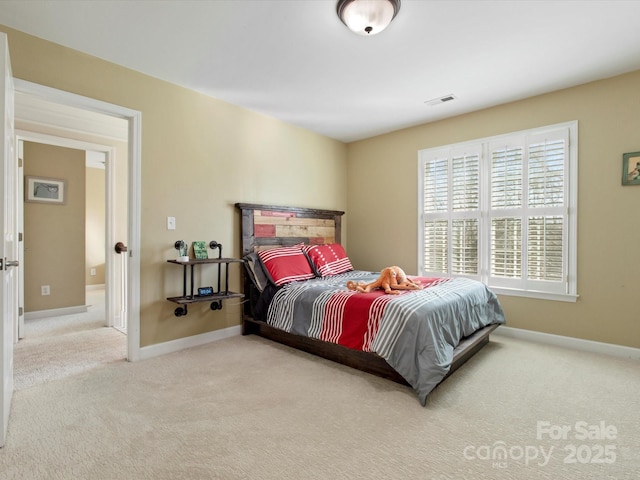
(295, 60)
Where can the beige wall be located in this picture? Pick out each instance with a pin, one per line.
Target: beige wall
(54, 242)
(95, 226)
(608, 230)
(199, 156)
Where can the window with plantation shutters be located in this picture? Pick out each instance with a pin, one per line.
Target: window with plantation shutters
(503, 210)
(451, 204)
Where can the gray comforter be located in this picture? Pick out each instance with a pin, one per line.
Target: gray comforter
(415, 332)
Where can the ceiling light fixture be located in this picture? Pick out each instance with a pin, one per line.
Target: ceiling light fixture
(367, 17)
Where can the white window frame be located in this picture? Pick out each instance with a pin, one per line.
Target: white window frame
(565, 290)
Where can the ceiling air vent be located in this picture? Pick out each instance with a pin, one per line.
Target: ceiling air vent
(438, 101)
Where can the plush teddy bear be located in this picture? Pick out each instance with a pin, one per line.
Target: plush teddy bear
(391, 280)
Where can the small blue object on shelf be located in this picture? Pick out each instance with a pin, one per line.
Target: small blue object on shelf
(205, 291)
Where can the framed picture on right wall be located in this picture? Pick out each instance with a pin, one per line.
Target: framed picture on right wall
(631, 168)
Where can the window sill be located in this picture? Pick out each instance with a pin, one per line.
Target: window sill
(559, 297)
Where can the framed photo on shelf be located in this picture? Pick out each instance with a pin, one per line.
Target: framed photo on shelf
(45, 190)
(200, 250)
(631, 168)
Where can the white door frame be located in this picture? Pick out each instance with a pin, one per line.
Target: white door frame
(134, 119)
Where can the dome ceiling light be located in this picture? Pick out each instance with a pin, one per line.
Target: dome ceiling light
(367, 17)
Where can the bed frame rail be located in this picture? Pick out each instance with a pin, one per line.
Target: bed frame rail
(364, 361)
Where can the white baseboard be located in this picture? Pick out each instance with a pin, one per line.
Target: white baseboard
(99, 286)
(548, 338)
(188, 342)
(569, 342)
(55, 312)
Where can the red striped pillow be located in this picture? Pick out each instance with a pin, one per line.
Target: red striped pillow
(329, 259)
(286, 264)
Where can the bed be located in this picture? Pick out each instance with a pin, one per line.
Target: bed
(417, 338)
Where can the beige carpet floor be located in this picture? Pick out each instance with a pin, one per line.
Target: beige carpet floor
(246, 408)
(57, 347)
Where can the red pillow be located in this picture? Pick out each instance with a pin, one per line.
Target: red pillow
(329, 259)
(286, 264)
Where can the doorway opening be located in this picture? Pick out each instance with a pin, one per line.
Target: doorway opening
(43, 115)
(66, 329)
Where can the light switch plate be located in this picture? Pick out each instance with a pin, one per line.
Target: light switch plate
(171, 223)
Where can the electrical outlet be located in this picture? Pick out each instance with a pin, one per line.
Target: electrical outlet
(45, 290)
(92, 272)
(171, 223)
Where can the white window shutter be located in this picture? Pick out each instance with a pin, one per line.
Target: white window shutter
(546, 176)
(464, 246)
(436, 246)
(506, 176)
(545, 248)
(506, 247)
(465, 184)
(503, 209)
(436, 185)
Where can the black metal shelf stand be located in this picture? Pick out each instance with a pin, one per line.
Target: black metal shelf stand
(219, 293)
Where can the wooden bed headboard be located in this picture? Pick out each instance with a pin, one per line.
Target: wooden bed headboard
(268, 226)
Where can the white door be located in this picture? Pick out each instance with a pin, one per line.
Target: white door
(132, 209)
(9, 241)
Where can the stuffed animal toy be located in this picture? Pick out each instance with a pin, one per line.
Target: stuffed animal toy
(391, 280)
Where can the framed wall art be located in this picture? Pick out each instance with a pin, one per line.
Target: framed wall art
(631, 168)
(45, 190)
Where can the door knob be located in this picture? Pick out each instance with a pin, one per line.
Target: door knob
(120, 247)
(4, 263)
